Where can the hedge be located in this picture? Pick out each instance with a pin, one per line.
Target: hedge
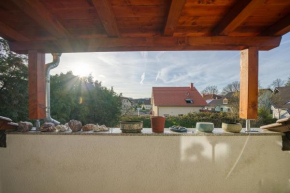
(191, 119)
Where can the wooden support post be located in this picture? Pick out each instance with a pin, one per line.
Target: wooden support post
(249, 83)
(36, 84)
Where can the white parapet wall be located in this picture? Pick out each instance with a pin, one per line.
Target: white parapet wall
(143, 164)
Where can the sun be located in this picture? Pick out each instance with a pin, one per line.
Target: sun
(82, 70)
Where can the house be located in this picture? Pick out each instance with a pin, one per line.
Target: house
(220, 104)
(209, 97)
(281, 102)
(127, 106)
(176, 100)
(146, 104)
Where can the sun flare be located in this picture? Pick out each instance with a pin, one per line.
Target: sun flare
(82, 70)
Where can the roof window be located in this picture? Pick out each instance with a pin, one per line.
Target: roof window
(189, 101)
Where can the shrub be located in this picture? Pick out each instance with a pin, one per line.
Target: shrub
(191, 119)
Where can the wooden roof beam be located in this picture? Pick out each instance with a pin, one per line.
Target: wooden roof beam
(173, 16)
(157, 43)
(107, 16)
(279, 28)
(237, 15)
(38, 12)
(8, 32)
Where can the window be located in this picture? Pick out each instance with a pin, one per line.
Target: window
(189, 100)
(166, 115)
(225, 101)
(180, 115)
(222, 109)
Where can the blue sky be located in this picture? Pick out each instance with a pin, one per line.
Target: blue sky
(135, 73)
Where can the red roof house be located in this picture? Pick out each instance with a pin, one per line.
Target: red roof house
(176, 100)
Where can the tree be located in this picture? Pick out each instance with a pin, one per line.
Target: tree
(288, 82)
(232, 87)
(210, 90)
(234, 102)
(83, 99)
(277, 83)
(13, 84)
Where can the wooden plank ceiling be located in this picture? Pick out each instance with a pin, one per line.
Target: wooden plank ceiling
(137, 25)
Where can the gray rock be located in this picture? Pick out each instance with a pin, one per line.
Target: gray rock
(24, 126)
(48, 127)
(75, 125)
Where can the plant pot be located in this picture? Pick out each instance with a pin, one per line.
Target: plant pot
(131, 126)
(205, 127)
(232, 127)
(157, 124)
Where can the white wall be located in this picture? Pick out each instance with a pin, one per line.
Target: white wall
(174, 111)
(143, 164)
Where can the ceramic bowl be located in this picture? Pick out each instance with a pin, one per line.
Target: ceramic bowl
(205, 126)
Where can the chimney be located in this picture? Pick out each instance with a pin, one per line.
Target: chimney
(191, 86)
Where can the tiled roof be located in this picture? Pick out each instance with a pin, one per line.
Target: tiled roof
(176, 96)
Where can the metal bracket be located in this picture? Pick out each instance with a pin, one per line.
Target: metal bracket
(3, 138)
(286, 141)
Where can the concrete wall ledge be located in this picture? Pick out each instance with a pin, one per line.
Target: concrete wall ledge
(148, 132)
(113, 162)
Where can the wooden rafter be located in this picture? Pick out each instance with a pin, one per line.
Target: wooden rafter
(238, 14)
(11, 33)
(173, 16)
(106, 14)
(279, 28)
(38, 12)
(160, 43)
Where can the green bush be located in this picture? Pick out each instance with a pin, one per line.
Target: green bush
(191, 119)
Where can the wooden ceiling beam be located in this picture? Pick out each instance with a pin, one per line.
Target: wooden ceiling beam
(8, 32)
(173, 16)
(39, 13)
(236, 16)
(155, 43)
(279, 28)
(107, 16)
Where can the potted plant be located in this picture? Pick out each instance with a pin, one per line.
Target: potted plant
(157, 124)
(231, 123)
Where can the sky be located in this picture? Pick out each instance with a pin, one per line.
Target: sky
(135, 73)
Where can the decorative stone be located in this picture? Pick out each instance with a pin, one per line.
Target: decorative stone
(75, 125)
(48, 127)
(24, 126)
(89, 127)
(62, 128)
(101, 128)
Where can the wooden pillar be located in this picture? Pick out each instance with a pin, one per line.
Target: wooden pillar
(249, 83)
(36, 84)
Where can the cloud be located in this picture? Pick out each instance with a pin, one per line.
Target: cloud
(158, 75)
(127, 70)
(142, 78)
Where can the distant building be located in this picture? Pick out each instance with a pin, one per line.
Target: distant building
(127, 107)
(221, 104)
(281, 102)
(210, 97)
(146, 104)
(176, 100)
